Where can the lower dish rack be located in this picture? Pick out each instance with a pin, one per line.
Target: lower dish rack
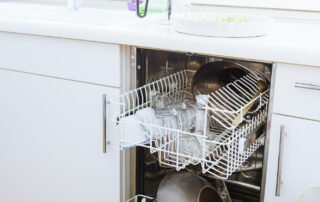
(217, 131)
(141, 198)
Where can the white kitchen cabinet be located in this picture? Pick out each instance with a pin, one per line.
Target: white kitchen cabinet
(293, 159)
(51, 137)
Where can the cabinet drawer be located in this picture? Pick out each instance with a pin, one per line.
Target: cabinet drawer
(64, 58)
(297, 91)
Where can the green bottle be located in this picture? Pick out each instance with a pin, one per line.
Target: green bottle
(150, 7)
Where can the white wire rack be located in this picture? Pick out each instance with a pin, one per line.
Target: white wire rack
(220, 150)
(232, 147)
(229, 104)
(141, 198)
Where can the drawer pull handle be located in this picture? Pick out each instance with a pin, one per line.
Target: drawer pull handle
(104, 123)
(309, 86)
(280, 158)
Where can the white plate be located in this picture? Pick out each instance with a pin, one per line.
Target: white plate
(132, 132)
(221, 24)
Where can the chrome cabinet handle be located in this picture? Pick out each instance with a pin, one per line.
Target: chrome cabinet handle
(280, 157)
(309, 86)
(105, 142)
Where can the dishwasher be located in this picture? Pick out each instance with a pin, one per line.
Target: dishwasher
(191, 119)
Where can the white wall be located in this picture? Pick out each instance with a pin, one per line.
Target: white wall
(280, 14)
(103, 3)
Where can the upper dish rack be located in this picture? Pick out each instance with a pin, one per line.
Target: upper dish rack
(161, 116)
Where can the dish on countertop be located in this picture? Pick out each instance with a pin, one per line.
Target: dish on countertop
(221, 24)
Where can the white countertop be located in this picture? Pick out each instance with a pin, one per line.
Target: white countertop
(294, 43)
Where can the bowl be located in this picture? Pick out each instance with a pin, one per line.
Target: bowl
(186, 187)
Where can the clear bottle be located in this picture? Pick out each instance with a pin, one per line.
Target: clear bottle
(161, 10)
(151, 7)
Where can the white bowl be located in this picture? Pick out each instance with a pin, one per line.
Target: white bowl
(221, 24)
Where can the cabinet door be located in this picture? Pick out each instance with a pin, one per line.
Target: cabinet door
(51, 137)
(293, 159)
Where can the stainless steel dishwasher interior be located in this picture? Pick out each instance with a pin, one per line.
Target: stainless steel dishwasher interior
(244, 185)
